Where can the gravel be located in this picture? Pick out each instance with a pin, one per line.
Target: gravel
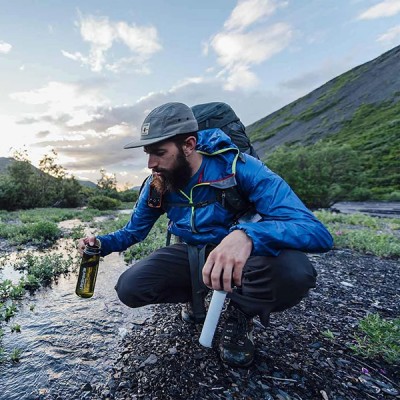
(162, 359)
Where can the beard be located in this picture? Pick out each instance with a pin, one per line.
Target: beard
(179, 176)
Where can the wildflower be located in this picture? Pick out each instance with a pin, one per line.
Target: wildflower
(365, 371)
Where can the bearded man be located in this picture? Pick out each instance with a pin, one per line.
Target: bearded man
(259, 262)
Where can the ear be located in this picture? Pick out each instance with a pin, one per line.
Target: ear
(189, 146)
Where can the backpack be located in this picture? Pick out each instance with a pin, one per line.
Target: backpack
(221, 115)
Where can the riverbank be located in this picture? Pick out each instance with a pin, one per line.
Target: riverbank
(303, 353)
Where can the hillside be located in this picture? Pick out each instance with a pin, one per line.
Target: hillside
(360, 107)
(6, 161)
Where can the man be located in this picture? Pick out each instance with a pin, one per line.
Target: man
(260, 263)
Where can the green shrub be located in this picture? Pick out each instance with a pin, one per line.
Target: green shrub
(10, 290)
(103, 203)
(44, 231)
(380, 338)
(363, 233)
(155, 240)
(393, 196)
(321, 174)
(128, 196)
(360, 194)
(381, 244)
(41, 270)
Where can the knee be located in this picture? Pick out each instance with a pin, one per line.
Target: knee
(296, 272)
(128, 292)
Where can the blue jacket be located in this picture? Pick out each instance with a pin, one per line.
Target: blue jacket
(198, 219)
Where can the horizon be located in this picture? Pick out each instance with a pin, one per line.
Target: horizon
(80, 78)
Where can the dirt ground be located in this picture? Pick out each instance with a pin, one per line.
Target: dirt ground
(162, 359)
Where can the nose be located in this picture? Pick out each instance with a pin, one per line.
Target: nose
(152, 161)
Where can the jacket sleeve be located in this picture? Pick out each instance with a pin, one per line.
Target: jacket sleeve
(285, 223)
(142, 220)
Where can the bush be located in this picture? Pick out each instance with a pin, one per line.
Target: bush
(321, 174)
(393, 196)
(360, 194)
(380, 338)
(103, 203)
(128, 196)
(44, 231)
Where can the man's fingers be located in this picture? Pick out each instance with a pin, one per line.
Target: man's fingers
(237, 275)
(216, 277)
(207, 271)
(227, 279)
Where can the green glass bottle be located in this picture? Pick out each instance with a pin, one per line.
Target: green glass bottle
(88, 271)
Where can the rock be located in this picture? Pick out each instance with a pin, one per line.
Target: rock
(87, 387)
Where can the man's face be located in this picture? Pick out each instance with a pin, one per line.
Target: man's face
(168, 160)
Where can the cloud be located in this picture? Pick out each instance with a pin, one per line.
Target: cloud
(386, 8)
(245, 42)
(391, 36)
(42, 134)
(238, 51)
(98, 142)
(247, 12)
(62, 98)
(5, 47)
(250, 48)
(101, 34)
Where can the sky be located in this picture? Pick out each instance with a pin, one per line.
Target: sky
(79, 77)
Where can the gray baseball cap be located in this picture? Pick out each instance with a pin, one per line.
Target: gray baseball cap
(164, 122)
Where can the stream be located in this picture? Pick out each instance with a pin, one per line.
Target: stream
(68, 344)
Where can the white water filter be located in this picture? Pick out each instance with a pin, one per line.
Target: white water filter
(212, 317)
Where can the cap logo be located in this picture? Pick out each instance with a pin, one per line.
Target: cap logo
(145, 129)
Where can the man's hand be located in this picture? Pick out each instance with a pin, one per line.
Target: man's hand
(226, 261)
(90, 240)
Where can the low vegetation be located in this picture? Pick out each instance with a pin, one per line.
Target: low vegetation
(378, 337)
(379, 236)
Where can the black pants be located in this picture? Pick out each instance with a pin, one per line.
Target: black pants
(269, 284)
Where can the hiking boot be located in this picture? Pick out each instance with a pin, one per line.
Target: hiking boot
(236, 347)
(187, 313)
(187, 316)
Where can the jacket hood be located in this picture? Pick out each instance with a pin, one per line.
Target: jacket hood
(214, 140)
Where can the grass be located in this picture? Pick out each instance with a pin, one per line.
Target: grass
(378, 338)
(15, 355)
(363, 233)
(155, 240)
(41, 270)
(39, 226)
(41, 232)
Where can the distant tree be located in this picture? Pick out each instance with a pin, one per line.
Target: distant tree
(71, 193)
(8, 193)
(321, 174)
(49, 165)
(50, 179)
(24, 179)
(23, 186)
(107, 185)
(107, 181)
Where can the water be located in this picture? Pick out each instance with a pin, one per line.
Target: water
(67, 342)
(388, 209)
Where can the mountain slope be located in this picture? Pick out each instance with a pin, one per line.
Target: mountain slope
(6, 161)
(360, 107)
